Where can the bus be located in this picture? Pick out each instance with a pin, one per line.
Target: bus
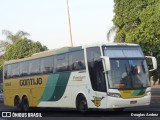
(1, 87)
(1, 77)
(97, 76)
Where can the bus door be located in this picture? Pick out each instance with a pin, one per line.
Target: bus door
(96, 75)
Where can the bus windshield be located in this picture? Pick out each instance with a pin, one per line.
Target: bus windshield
(128, 74)
(128, 67)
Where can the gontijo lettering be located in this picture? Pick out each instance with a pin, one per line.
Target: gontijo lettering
(31, 81)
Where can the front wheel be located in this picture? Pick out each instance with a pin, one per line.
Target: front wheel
(82, 104)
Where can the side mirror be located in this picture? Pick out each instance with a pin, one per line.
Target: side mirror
(107, 66)
(154, 62)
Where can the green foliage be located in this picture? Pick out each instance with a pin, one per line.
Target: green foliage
(19, 47)
(138, 21)
(1, 62)
(22, 48)
(13, 37)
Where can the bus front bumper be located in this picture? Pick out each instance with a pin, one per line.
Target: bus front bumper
(113, 102)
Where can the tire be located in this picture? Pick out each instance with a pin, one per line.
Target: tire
(17, 103)
(81, 104)
(119, 109)
(25, 104)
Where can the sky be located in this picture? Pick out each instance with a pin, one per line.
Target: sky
(47, 20)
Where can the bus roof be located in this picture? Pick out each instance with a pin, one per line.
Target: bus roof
(66, 49)
(45, 54)
(109, 44)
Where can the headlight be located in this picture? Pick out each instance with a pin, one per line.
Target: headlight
(114, 95)
(148, 93)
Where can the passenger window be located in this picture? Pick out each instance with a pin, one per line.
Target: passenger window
(5, 71)
(35, 67)
(24, 68)
(76, 60)
(15, 70)
(61, 63)
(9, 72)
(47, 64)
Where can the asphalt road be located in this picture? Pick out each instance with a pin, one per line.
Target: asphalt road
(66, 113)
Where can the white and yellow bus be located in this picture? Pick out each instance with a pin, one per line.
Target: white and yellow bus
(96, 76)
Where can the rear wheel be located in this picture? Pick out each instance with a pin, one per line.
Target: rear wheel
(17, 103)
(25, 104)
(82, 104)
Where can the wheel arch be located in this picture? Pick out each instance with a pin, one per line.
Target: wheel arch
(15, 97)
(23, 96)
(80, 94)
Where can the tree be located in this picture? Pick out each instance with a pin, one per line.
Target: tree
(18, 47)
(111, 34)
(13, 37)
(23, 48)
(3, 44)
(137, 21)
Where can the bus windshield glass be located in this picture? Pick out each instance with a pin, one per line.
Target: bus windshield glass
(128, 74)
(128, 70)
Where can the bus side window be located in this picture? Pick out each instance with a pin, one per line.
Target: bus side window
(35, 66)
(24, 68)
(15, 70)
(47, 64)
(76, 60)
(61, 63)
(6, 71)
(9, 73)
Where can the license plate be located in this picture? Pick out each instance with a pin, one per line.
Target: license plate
(133, 102)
